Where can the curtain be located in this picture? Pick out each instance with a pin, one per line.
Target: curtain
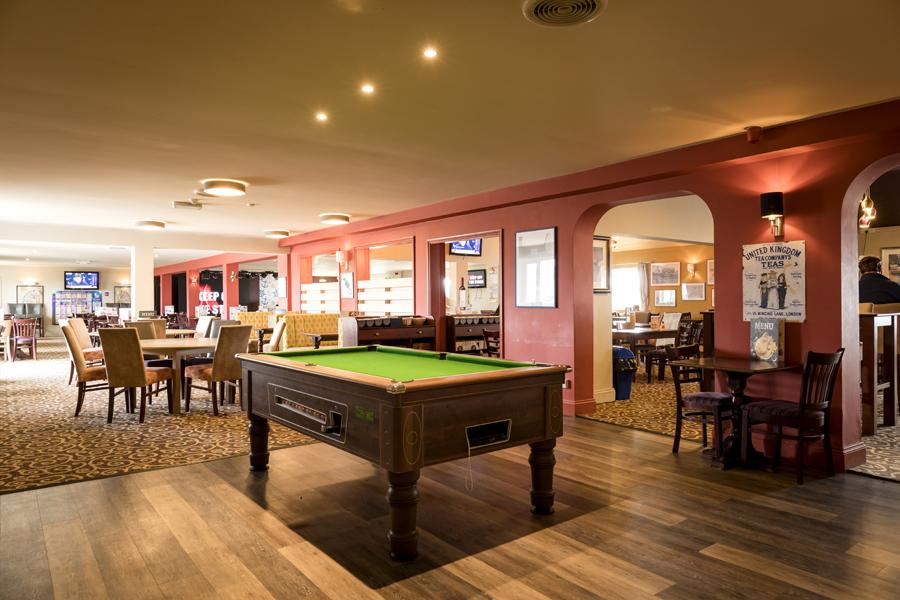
(644, 284)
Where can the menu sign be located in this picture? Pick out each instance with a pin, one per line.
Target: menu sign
(775, 281)
(767, 339)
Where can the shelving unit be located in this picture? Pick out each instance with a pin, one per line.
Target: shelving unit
(385, 297)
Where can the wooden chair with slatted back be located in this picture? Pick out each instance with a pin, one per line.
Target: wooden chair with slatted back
(24, 336)
(810, 417)
(491, 343)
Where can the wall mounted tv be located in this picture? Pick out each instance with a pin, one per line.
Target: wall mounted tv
(466, 247)
(82, 280)
(477, 278)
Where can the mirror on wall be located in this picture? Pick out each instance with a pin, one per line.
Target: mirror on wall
(385, 279)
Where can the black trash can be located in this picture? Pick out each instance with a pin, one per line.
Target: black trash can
(624, 367)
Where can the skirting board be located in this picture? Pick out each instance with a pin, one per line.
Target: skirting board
(605, 395)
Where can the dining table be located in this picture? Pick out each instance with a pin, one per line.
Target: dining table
(631, 337)
(170, 333)
(177, 349)
(737, 371)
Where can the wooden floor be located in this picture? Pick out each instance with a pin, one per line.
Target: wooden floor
(632, 521)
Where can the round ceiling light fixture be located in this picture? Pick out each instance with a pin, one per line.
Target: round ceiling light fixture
(334, 218)
(223, 188)
(367, 88)
(150, 225)
(562, 13)
(276, 234)
(321, 116)
(430, 52)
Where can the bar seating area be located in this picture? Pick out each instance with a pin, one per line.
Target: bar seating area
(550, 299)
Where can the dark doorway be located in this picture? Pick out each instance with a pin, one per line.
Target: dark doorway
(156, 306)
(179, 292)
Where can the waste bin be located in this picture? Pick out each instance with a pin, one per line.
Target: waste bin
(624, 368)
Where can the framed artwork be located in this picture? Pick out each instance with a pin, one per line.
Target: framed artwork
(601, 264)
(536, 268)
(668, 273)
(711, 272)
(664, 297)
(122, 294)
(890, 263)
(347, 284)
(693, 292)
(29, 294)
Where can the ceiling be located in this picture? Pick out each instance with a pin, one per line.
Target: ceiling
(626, 244)
(16, 252)
(111, 110)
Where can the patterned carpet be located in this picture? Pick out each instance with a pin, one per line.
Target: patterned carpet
(42, 443)
(652, 408)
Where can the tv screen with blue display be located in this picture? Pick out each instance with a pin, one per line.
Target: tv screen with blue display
(82, 280)
(466, 247)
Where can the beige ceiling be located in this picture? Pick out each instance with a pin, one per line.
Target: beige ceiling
(110, 110)
(40, 253)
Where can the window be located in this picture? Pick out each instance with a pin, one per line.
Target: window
(625, 287)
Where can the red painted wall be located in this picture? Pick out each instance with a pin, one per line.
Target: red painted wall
(814, 162)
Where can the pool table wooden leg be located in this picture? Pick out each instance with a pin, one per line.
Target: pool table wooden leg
(403, 498)
(258, 428)
(542, 460)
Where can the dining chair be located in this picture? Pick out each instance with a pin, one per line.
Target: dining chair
(224, 372)
(217, 325)
(23, 334)
(658, 356)
(810, 417)
(201, 330)
(159, 327)
(90, 378)
(274, 344)
(699, 406)
(146, 330)
(125, 369)
(6, 338)
(80, 329)
(491, 343)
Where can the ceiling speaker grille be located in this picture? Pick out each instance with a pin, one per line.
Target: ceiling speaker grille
(559, 13)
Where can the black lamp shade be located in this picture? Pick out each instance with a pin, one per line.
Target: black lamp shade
(771, 204)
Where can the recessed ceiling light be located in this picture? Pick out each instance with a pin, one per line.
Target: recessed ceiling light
(150, 225)
(430, 52)
(321, 116)
(82, 262)
(26, 258)
(334, 218)
(276, 234)
(224, 187)
(367, 89)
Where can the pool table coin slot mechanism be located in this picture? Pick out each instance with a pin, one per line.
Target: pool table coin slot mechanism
(309, 412)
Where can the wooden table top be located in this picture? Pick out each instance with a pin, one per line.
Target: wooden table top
(734, 365)
(176, 344)
(179, 332)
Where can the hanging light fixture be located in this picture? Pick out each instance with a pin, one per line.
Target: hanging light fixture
(869, 212)
(865, 222)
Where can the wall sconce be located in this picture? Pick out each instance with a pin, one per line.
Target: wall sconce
(232, 276)
(194, 279)
(343, 258)
(691, 269)
(771, 207)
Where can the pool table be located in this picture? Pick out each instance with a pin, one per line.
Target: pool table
(406, 409)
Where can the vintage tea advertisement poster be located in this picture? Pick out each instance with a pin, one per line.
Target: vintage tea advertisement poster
(775, 281)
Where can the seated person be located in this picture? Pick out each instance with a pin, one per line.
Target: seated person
(873, 286)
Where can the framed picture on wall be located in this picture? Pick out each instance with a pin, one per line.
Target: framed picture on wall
(601, 264)
(664, 297)
(347, 285)
(536, 268)
(890, 263)
(122, 294)
(693, 292)
(29, 294)
(711, 272)
(667, 273)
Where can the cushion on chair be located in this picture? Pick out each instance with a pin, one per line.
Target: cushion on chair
(707, 400)
(93, 374)
(199, 372)
(780, 410)
(93, 354)
(157, 374)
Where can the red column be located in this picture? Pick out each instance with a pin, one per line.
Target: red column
(301, 268)
(193, 290)
(230, 288)
(284, 272)
(165, 292)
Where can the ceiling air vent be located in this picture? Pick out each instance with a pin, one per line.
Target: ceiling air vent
(560, 13)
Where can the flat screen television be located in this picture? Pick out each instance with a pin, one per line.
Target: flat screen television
(466, 247)
(82, 280)
(477, 278)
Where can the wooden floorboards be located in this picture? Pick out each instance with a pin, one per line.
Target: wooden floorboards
(632, 521)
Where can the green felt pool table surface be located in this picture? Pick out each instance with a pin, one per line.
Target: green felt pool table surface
(400, 364)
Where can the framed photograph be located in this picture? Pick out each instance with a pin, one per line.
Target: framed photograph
(347, 284)
(122, 294)
(601, 264)
(536, 268)
(668, 273)
(890, 263)
(664, 297)
(710, 272)
(693, 291)
(29, 294)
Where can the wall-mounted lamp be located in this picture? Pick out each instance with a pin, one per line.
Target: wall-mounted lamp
(691, 269)
(194, 279)
(771, 207)
(343, 258)
(233, 276)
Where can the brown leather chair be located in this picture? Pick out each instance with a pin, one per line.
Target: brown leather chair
(700, 406)
(810, 417)
(274, 344)
(79, 328)
(90, 378)
(146, 330)
(125, 369)
(225, 370)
